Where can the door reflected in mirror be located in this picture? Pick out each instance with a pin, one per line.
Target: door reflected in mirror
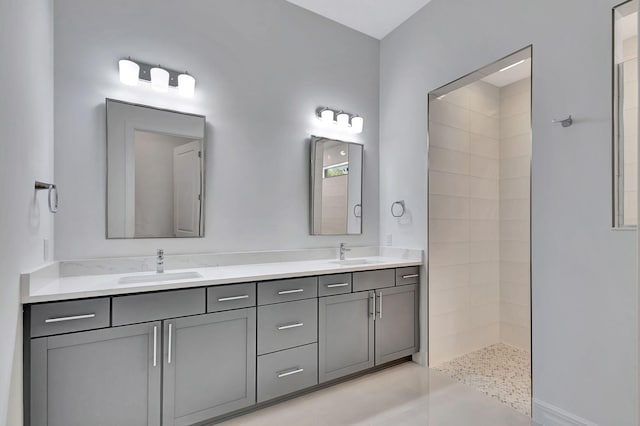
(336, 187)
(155, 172)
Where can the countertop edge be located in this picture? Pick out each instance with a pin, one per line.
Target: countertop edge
(27, 299)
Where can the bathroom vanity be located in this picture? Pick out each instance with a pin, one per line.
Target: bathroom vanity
(204, 344)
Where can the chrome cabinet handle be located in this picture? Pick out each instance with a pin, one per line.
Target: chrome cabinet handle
(298, 290)
(404, 277)
(288, 326)
(228, 299)
(169, 348)
(289, 373)
(380, 311)
(155, 345)
(72, 318)
(337, 285)
(373, 305)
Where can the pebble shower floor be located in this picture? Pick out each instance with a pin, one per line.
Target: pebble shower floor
(499, 371)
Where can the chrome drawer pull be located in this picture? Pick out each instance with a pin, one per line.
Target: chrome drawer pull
(404, 277)
(228, 299)
(289, 373)
(155, 345)
(337, 285)
(169, 345)
(298, 290)
(380, 312)
(73, 318)
(286, 327)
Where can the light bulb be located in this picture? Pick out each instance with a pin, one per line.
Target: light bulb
(186, 85)
(160, 79)
(327, 115)
(129, 72)
(357, 124)
(343, 120)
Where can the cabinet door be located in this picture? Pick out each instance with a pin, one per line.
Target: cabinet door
(396, 323)
(345, 334)
(209, 366)
(107, 377)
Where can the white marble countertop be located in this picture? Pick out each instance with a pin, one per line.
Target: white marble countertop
(47, 284)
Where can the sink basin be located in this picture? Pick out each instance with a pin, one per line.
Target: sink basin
(148, 278)
(354, 262)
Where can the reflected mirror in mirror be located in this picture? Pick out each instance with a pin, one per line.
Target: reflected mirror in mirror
(336, 187)
(155, 172)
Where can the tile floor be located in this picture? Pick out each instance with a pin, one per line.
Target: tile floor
(407, 394)
(500, 371)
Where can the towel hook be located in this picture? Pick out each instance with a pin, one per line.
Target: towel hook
(398, 212)
(52, 198)
(567, 122)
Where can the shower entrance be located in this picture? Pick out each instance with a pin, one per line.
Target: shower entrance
(479, 230)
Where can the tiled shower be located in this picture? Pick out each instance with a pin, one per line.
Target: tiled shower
(479, 220)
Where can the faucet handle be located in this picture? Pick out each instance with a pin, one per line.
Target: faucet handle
(160, 253)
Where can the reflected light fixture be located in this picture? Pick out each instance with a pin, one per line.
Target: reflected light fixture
(343, 120)
(131, 72)
(512, 65)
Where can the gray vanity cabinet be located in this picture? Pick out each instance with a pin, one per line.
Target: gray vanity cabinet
(345, 334)
(108, 377)
(396, 323)
(209, 366)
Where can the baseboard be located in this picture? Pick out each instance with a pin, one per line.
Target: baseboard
(547, 414)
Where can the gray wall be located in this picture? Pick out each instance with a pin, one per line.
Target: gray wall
(26, 154)
(262, 68)
(584, 274)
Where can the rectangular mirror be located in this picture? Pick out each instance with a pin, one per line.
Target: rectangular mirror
(155, 172)
(336, 187)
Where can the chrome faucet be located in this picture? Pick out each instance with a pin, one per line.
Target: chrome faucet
(160, 261)
(343, 251)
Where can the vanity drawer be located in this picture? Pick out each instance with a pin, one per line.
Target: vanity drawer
(287, 290)
(371, 280)
(329, 285)
(287, 371)
(409, 275)
(286, 325)
(157, 306)
(67, 317)
(227, 297)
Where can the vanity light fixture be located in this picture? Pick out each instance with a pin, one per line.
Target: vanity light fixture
(159, 79)
(344, 120)
(131, 72)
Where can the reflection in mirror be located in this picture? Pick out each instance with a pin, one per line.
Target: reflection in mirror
(336, 187)
(155, 176)
(625, 112)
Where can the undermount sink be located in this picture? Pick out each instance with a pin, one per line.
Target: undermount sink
(156, 277)
(353, 262)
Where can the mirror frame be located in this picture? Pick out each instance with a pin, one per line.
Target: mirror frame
(313, 142)
(202, 177)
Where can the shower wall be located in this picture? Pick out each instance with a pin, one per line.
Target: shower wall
(479, 160)
(464, 231)
(515, 167)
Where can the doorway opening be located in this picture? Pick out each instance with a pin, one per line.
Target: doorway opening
(479, 214)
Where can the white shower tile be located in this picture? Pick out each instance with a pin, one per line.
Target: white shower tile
(512, 209)
(514, 230)
(445, 160)
(449, 114)
(518, 272)
(485, 126)
(522, 86)
(515, 188)
(488, 189)
(448, 276)
(483, 209)
(514, 105)
(486, 294)
(484, 315)
(514, 251)
(484, 230)
(515, 125)
(442, 301)
(485, 251)
(516, 146)
(484, 146)
(448, 207)
(445, 230)
(517, 293)
(441, 183)
(484, 167)
(484, 272)
(448, 253)
(448, 137)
